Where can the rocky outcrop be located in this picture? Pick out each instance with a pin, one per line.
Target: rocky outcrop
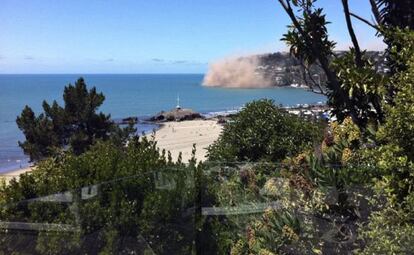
(177, 114)
(126, 121)
(130, 119)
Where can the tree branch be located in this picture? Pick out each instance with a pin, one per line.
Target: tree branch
(289, 11)
(358, 54)
(324, 62)
(308, 72)
(365, 21)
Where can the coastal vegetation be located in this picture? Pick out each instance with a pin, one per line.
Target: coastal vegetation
(354, 87)
(273, 183)
(75, 126)
(108, 200)
(262, 131)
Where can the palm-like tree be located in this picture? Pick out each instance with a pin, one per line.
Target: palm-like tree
(395, 13)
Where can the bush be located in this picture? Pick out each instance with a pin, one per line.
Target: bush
(262, 131)
(113, 200)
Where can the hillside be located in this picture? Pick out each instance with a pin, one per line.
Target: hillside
(285, 70)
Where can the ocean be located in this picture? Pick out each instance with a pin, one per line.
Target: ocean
(126, 95)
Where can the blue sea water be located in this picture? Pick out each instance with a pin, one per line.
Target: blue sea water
(126, 95)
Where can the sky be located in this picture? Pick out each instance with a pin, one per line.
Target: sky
(151, 36)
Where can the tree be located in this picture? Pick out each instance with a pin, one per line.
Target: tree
(309, 42)
(394, 13)
(76, 125)
(263, 131)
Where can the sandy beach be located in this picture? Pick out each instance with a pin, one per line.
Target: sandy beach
(175, 137)
(7, 176)
(179, 137)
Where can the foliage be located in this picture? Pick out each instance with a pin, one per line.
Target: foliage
(394, 156)
(354, 88)
(321, 195)
(76, 124)
(120, 200)
(365, 88)
(390, 229)
(399, 128)
(293, 223)
(313, 23)
(262, 131)
(308, 40)
(396, 13)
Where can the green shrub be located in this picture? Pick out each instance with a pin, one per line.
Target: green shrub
(140, 197)
(262, 131)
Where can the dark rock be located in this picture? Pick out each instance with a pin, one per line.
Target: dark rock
(158, 117)
(177, 114)
(127, 120)
(130, 119)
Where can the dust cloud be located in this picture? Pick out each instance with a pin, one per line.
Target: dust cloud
(236, 72)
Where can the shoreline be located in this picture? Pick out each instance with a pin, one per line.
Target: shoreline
(172, 136)
(208, 115)
(8, 176)
(16, 172)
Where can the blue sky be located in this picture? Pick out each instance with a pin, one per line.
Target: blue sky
(151, 36)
